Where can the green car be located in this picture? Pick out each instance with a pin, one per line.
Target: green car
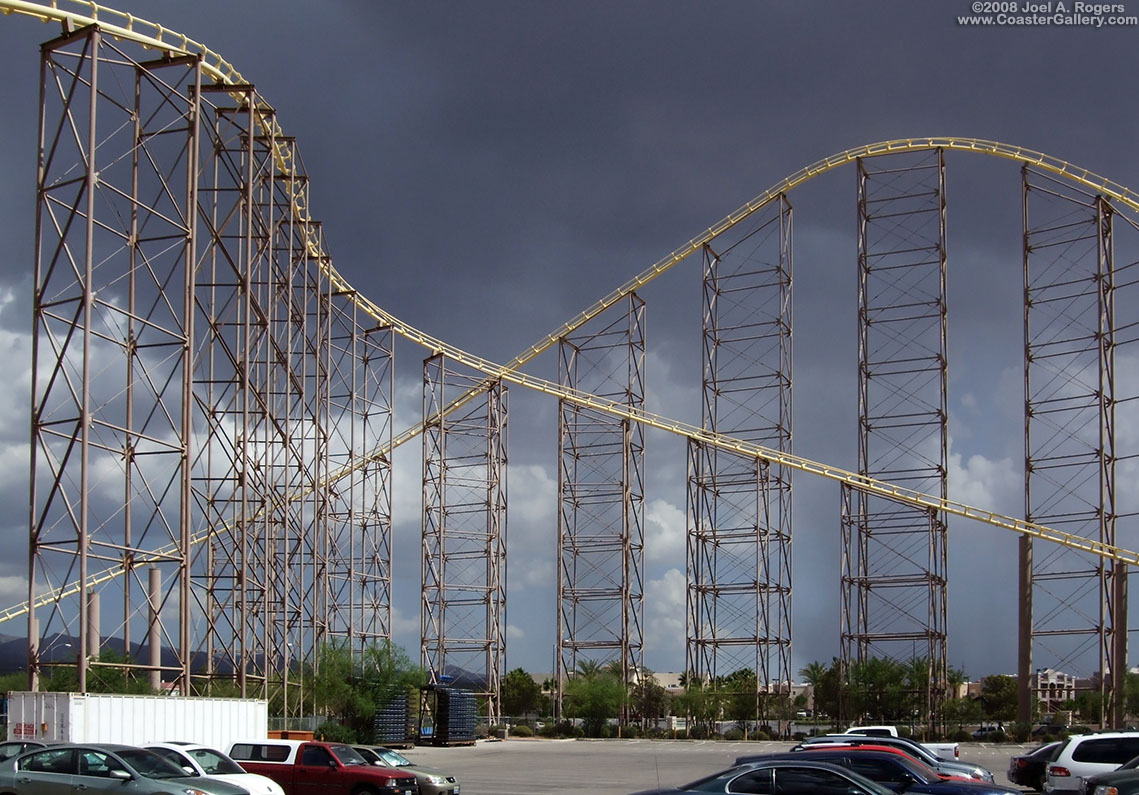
(431, 782)
(94, 769)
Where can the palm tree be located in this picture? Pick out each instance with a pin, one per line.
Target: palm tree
(588, 669)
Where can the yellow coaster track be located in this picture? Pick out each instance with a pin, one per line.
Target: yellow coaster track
(80, 13)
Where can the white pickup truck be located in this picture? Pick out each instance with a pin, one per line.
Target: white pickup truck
(947, 751)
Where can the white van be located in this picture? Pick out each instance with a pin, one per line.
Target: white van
(1087, 755)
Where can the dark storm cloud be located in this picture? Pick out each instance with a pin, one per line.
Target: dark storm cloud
(487, 169)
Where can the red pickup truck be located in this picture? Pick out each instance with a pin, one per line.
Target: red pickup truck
(305, 767)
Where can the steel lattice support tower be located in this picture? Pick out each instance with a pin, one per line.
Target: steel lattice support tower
(200, 387)
(601, 536)
(113, 234)
(231, 352)
(1073, 605)
(359, 415)
(739, 537)
(463, 610)
(894, 601)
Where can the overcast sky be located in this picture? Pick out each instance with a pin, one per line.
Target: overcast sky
(485, 170)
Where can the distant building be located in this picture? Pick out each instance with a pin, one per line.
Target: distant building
(670, 681)
(1052, 688)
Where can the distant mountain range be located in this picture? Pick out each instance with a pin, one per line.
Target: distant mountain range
(61, 648)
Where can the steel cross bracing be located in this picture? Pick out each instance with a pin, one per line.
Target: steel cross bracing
(305, 241)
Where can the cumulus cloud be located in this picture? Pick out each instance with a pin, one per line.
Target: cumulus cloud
(664, 611)
(403, 624)
(991, 483)
(665, 528)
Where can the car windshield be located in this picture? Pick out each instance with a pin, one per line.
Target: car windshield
(919, 769)
(393, 759)
(150, 764)
(714, 783)
(1045, 751)
(215, 763)
(915, 748)
(348, 755)
(923, 773)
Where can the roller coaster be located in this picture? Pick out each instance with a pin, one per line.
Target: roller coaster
(212, 423)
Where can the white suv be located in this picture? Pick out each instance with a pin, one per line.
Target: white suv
(1086, 755)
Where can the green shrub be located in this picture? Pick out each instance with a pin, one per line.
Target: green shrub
(632, 731)
(761, 735)
(565, 728)
(331, 732)
(522, 731)
(734, 734)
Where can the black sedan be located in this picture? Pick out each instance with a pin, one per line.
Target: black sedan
(785, 776)
(1124, 780)
(911, 747)
(1027, 769)
(897, 771)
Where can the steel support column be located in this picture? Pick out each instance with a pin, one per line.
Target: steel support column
(463, 610)
(112, 356)
(739, 539)
(600, 588)
(894, 576)
(230, 409)
(1069, 388)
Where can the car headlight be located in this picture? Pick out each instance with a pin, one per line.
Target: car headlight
(435, 780)
(1105, 789)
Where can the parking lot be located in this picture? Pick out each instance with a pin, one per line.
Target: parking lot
(618, 767)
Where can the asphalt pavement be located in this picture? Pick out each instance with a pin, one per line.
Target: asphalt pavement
(618, 767)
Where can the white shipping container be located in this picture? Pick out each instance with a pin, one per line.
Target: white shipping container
(134, 720)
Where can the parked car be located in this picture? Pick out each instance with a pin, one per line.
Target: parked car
(1028, 769)
(912, 747)
(306, 767)
(947, 751)
(431, 781)
(1116, 779)
(1118, 782)
(17, 747)
(204, 761)
(897, 771)
(884, 749)
(785, 776)
(103, 768)
(984, 730)
(1085, 755)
